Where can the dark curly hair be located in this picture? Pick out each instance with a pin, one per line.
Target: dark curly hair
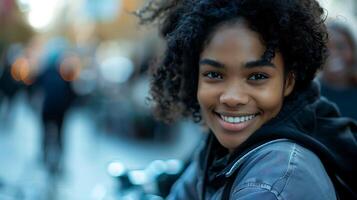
(296, 28)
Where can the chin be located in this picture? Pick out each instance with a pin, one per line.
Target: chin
(229, 143)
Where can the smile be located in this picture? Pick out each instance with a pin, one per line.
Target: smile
(235, 123)
(236, 120)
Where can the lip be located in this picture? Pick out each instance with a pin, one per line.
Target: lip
(229, 114)
(233, 127)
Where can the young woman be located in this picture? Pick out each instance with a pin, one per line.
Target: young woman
(245, 68)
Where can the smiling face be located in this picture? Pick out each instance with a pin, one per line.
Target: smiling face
(237, 92)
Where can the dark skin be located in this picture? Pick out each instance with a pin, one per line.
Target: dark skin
(236, 92)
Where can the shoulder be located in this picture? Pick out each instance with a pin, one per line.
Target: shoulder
(189, 185)
(286, 170)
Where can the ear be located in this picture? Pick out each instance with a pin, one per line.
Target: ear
(289, 84)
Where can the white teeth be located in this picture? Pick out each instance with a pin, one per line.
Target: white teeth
(237, 119)
(231, 119)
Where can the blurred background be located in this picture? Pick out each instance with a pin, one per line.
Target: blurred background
(75, 122)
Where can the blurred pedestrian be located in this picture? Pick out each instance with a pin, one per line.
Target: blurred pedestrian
(57, 99)
(9, 87)
(339, 76)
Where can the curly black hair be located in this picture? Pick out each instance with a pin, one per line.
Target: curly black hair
(296, 28)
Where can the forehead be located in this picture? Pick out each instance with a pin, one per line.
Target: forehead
(236, 46)
(234, 41)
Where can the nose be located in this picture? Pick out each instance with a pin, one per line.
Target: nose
(234, 96)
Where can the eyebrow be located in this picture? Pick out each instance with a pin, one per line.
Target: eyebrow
(250, 64)
(213, 63)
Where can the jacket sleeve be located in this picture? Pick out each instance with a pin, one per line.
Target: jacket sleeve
(186, 187)
(253, 193)
(284, 171)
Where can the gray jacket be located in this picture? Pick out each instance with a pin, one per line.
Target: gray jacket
(279, 169)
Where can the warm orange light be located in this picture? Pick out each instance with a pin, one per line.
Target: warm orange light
(130, 5)
(70, 68)
(20, 69)
(28, 80)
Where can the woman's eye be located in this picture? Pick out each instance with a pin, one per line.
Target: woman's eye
(213, 75)
(258, 76)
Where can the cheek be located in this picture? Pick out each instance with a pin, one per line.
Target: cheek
(203, 95)
(207, 97)
(203, 101)
(270, 100)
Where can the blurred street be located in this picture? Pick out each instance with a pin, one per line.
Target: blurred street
(76, 120)
(86, 156)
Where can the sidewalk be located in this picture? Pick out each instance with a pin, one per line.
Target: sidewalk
(87, 154)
